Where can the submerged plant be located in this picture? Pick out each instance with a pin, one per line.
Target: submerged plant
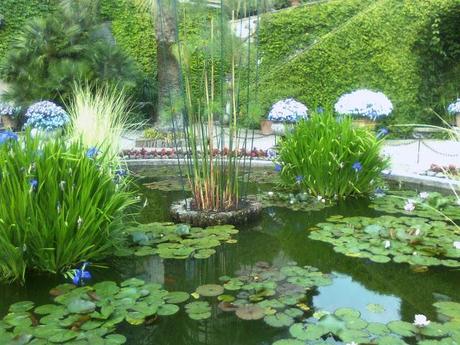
(333, 158)
(59, 207)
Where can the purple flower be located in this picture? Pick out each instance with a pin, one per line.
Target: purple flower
(7, 136)
(357, 166)
(278, 167)
(298, 179)
(92, 152)
(33, 184)
(80, 275)
(382, 132)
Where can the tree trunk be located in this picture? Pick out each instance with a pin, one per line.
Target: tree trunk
(168, 70)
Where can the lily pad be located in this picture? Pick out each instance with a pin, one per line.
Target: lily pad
(210, 290)
(250, 312)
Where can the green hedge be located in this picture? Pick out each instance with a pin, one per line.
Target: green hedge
(360, 44)
(15, 13)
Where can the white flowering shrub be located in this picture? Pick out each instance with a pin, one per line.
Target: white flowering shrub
(8, 109)
(46, 116)
(365, 103)
(288, 110)
(454, 108)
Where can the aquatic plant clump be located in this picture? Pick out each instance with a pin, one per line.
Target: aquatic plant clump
(412, 240)
(277, 295)
(62, 204)
(295, 201)
(46, 116)
(431, 205)
(330, 159)
(288, 110)
(365, 103)
(347, 325)
(89, 314)
(170, 241)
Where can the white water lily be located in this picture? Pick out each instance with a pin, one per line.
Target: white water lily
(421, 320)
(417, 232)
(424, 195)
(387, 244)
(409, 206)
(457, 244)
(270, 194)
(352, 343)
(364, 103)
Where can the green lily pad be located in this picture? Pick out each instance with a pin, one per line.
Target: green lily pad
(402, 328)
(279, 320)
(167, 309)
(176, 297)
(210, 290)
(375, 308)
(250, 312)
(307, 331)
(21, 307)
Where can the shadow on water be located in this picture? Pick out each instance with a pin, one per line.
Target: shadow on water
(281, 236)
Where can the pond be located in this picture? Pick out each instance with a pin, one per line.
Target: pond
(381, 292)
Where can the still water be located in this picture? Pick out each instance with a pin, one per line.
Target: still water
(279, 237)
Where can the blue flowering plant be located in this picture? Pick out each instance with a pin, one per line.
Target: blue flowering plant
(46, 116)
(330, 159)
(70, 206)
(79, 276)
(454, 107)
(364, 103)
(288, 111)
(9, 109)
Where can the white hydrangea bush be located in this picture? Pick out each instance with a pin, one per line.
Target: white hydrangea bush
(454, 108)
(365, 103)
(46, 116)
(8, 109)
(288, 110)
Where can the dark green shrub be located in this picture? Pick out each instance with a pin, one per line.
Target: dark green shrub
(61, 204)
(53, 52)
(331, 158)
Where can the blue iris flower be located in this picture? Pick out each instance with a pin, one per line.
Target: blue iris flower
(121, 172)
(33, 184)
(278, 167)
(298, 179)
(7, 136)
(320, 110)
(357, 166)
(382, 132)
(92, 152)
(80, 275)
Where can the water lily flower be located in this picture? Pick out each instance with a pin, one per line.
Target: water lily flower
(457, 244)
(417, 232)
(352, 343)
(8, 136)
(92, 152)
(278, 167)
(298, 179)
(409, 206)
(421, 320)
(387, 244)
(357, 166)
(382, 132)
(424, 195)
(270, 194)
(80, 275)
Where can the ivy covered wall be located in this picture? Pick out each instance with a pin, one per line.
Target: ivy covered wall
(316, 53)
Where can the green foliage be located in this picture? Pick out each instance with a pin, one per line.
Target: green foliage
(320, 154)
(74, 213)
(16, 13)
(318, 52)
(55, 51)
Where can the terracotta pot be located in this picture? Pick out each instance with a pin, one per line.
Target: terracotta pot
(364, 123)
(266, 127)
(9, 122)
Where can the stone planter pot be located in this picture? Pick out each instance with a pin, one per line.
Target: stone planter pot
(9, 122)
(266, 127)
(364, 123)
(182, 212)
